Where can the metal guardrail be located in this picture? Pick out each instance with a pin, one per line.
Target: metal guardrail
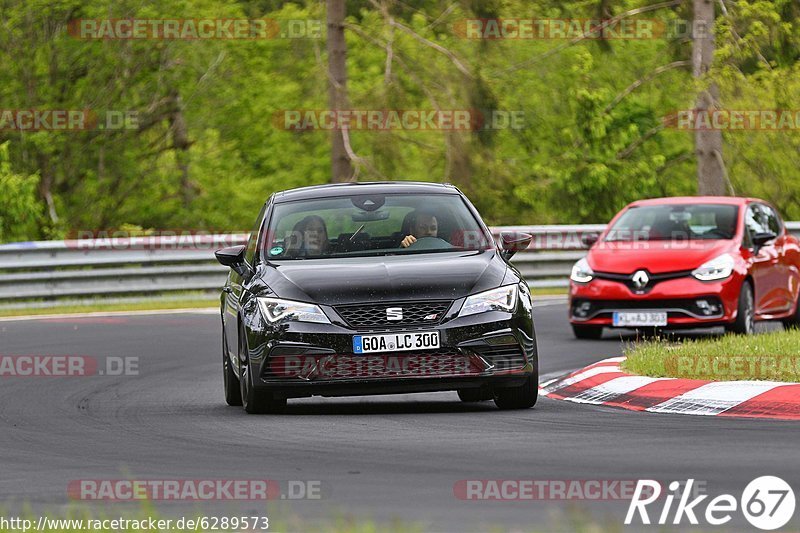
(48, 270)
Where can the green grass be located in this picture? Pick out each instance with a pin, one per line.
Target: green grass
(188, 300)
(96, 307)
(572, 519)
(549, 291)
(771, 356)
(84, 522)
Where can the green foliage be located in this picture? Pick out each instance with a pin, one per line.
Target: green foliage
(20, 210)
(773, 356)
(207, 150)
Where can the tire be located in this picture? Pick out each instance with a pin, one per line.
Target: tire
(745, 317)
(587, 332)
(473, 395)
(522, 397)
(233, 393)
(254, 401)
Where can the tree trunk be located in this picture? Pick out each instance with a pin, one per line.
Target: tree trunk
(341, 169)
(711, 179)
(181, 144)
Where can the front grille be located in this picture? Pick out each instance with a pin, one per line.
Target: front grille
(655, 279)
(375, 315)
(583, 309)
(441, 363)
(509, 357)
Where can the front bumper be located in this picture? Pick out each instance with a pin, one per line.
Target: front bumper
(593, 303)
(298, 359)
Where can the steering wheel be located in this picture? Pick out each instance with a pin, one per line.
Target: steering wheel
(718, 232)
(429, 243)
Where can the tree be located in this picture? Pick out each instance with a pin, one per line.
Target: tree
(341, 169)
(711, 177)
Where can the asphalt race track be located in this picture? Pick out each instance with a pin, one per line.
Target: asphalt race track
(378, 457)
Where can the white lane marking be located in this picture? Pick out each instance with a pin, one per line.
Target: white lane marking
(612, 389)
(548, 303)
(714, 398)
(547, 382)
(191, 310)
(551, 377)
(582, 376)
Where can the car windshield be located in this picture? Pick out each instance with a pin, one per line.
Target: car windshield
(372, 225)
(675, 223)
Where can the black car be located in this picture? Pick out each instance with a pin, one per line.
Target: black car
(375, 288)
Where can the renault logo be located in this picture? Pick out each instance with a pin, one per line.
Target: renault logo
(394, 314)
(640, 279)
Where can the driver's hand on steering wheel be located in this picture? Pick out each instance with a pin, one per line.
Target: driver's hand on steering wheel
(408, 241)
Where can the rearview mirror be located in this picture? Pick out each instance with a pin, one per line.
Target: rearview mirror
(514, 242)
(233, 257)
(370, 216)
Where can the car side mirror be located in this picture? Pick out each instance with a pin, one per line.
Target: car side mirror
(761, 239)
(589, 239)
(233, 257)
(514, 242)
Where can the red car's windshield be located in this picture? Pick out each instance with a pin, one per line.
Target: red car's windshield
(675, 222)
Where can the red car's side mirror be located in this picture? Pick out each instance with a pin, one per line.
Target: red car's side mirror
(589, 239)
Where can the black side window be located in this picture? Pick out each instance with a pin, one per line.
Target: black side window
(250, 253)
(756, 221)
(773, 220)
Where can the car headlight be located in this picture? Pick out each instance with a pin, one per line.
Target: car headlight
(502, 299)
(275, 309)
(718, 268)
(582, 272)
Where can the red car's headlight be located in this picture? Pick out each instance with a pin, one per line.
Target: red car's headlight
(718, 268)
(582, 272)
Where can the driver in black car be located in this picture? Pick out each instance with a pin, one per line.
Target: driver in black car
(423, 224)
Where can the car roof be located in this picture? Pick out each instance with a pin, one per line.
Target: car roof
(353, 188)
(673, 200)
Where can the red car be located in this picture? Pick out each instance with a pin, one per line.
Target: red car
(687, 263)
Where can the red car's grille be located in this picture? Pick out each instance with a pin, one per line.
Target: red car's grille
(316, 367)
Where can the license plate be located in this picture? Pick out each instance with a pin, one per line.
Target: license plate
(642, 318)
(395, 342)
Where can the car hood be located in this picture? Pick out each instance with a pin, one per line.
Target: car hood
(437, 276)
(657, 257)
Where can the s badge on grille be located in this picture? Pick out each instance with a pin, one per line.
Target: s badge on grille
(394, 314)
